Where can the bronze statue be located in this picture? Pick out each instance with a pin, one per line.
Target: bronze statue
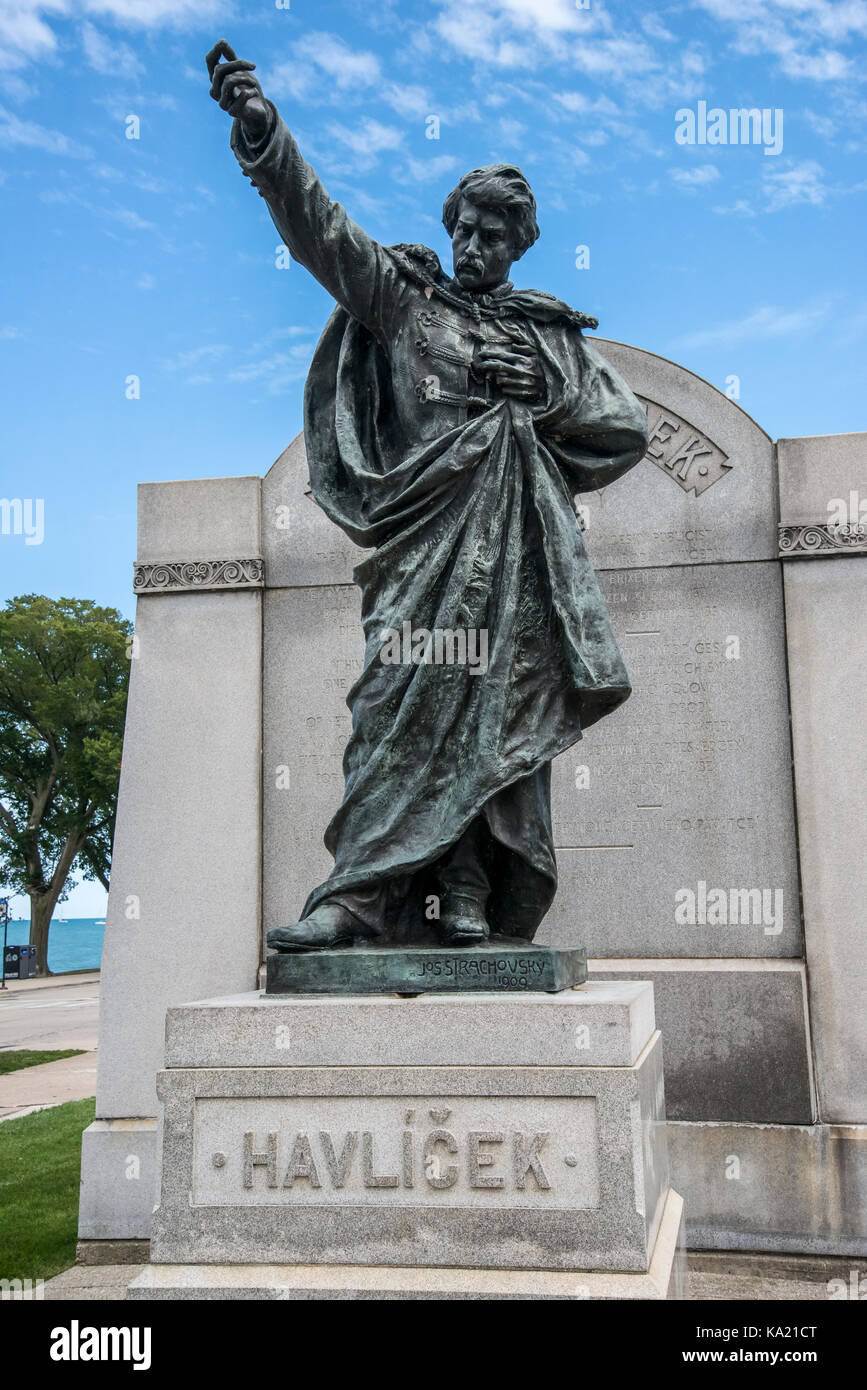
(449, 421)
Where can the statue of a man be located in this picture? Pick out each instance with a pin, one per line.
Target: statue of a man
(449, 421)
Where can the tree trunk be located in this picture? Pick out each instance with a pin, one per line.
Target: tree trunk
(41, 908)
(43, 903)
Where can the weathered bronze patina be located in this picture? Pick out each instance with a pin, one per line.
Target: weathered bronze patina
(449, 421)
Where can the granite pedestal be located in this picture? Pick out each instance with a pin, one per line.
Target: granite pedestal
(475, 1145)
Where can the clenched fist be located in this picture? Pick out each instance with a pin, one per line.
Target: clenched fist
(237, 90)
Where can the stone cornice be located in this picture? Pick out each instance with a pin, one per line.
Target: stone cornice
(822, 539)
(185, 576)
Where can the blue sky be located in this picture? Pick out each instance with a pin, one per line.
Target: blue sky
(154, 257)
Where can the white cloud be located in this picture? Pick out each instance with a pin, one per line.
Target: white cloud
(791, 186)
(276, 372)
(113, 59)
(346, 66)
(155, 13)
(323, 69)
(511, 130)
(319, 56)
(408, 101)
(368, 138)
(426, 170)
(514, 33)
(656, 28)
(800, 34)
(823, 125)
(547, 34)
(14, 131)
(579, 101)
(9, 331)
(15, 87)
(130, 219)
(695, 178)
(797, 183)
(211, 352)
(26, 34)
(500, 31)
(739, 208)
(765, 323)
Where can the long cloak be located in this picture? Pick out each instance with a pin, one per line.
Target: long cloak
(476, 530)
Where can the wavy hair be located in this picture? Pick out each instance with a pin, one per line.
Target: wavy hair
(497, 188)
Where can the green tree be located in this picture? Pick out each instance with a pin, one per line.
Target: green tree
(64, 672)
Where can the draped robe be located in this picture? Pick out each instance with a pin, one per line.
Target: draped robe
(465, 496)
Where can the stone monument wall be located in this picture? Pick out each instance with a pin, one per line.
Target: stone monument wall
(675, 819)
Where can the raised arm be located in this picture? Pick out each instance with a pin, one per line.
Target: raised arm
(353, 267)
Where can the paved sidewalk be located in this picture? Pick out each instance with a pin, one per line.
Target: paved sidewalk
(91, 1283)
(52, 1083)
(61, 981)
(104, 1283)
(50, 1015)
(55, 1013)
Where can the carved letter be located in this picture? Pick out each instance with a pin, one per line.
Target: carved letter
(408, 1164)
(526, 1159)
(260, 1160)
(432, 1171)
(685, 457)
(656, 434)
(301, 1163)
(338, 1168)
(372, 1179)
(479, 1159)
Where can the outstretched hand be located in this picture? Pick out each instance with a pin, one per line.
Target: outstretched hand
(237, 91)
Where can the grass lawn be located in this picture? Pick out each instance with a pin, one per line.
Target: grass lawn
(14, 1061)
(40, 1160)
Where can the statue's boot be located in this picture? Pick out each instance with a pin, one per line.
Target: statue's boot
(464, 890)
(328, 927)
(462, 921)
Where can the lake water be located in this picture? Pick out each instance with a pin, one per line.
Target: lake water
(72, 945)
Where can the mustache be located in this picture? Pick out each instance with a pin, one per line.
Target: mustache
(470, 262)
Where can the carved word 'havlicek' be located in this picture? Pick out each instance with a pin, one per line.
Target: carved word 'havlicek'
(486, 1159)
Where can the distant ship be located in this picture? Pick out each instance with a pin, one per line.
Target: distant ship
(99, 921)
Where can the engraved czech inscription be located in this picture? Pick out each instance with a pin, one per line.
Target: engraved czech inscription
(529, 1152)
(683, 452)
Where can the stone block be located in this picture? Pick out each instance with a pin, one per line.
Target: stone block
(825, 605)
(785, 1188)
(601, 1024)
(302, 547)
(689, 782)
(353, 1162)
(185, 882)
(737, 1041)
(818, 470)
(664, 1279)
(203, 519)
(666, 511)
(118, 1180)
(313, 652)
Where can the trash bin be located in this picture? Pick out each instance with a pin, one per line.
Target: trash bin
(12, 962)
(31, 963)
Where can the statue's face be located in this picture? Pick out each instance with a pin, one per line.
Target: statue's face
(482, 247)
